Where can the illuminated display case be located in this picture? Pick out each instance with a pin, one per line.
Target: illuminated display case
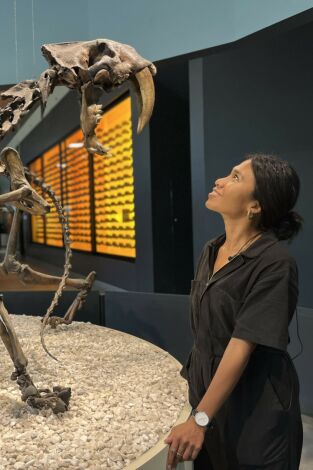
(52, 176)
(114, 184)
(37, 221)
(97, 192)
(76, 190)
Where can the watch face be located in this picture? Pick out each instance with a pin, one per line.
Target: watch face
(201, 418)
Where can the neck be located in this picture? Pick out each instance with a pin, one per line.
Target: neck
(237, 235)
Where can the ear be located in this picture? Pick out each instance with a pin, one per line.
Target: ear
(256, 207)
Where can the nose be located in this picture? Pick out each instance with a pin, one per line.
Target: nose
(218, 182)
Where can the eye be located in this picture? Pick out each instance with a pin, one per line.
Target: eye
(235, 176)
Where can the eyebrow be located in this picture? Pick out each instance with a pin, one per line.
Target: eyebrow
(237, 171)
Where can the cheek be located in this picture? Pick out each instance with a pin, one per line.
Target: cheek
(235, 196)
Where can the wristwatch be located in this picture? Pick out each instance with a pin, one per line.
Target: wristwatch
(201, 418)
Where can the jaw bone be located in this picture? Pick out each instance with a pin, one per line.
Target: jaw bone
(91, 112)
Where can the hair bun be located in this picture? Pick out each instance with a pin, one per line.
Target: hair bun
(289, 225)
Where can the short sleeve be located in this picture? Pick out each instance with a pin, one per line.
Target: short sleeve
(264, 316)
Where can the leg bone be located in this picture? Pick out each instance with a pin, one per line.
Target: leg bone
(58, 400)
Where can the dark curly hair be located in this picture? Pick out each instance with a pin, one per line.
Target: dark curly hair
(277, 187)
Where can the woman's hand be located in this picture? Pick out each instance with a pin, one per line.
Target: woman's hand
(185, 442)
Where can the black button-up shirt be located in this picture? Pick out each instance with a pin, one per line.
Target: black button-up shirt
(252, 297)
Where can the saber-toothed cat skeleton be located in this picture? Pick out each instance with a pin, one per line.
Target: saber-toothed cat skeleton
(90, 67)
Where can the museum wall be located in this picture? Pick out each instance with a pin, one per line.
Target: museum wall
(30, 23)
(253, 97)
(209, 112)
(158, 29)
(170, 180)
(257, 98)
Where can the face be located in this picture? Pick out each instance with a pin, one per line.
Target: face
(232, 195)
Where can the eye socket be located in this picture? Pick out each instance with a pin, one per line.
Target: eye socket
(235, 175)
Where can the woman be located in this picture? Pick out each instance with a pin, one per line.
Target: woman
(243, 386)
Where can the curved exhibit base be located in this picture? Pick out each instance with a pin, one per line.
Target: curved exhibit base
(155, 458)
(126, 396)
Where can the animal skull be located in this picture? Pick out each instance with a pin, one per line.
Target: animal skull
(91, 67)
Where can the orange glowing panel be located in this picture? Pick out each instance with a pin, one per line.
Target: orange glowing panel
(37, 221)
(76, 190)
(114, 184)
(52, 177)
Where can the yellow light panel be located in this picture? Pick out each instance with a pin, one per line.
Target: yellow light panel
(114, 184)
(37, 221)
(52, 177)
(76, 190)
(66, 169)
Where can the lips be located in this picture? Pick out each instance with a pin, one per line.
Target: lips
(215, 192)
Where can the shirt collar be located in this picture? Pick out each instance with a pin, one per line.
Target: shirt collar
(267, 239)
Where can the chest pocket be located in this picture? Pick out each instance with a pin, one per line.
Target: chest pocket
(222, 311)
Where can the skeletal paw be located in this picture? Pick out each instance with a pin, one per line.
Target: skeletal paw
(58, 400)
(56, 404)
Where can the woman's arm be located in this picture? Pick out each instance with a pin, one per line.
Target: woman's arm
(187, 438)
(229, 371)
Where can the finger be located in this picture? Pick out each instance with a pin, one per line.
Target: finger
(181, 450)
(179, 454)
(195, 453)
(177, 460)
(169, 438)
(172, 452)
(188, 452)
(170, 461)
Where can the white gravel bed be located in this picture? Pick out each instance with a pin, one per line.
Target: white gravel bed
(126, 394)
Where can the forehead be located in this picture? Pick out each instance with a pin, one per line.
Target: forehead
(245, 168)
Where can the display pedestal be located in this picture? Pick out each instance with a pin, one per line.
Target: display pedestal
(127, 394)
(155, 458)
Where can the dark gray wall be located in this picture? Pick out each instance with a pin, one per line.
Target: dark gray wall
(170, 180)
(153, 317)
(131, 275)
(256, 98)
(37, 302)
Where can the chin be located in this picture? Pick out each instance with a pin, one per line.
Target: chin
(208, 204)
